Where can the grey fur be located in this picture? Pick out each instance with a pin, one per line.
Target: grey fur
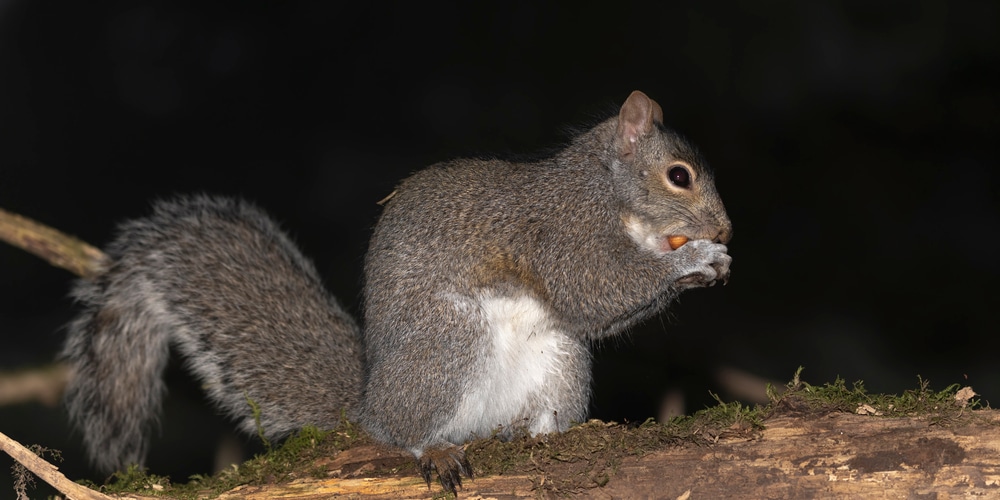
(475, 267)
(218, 280)
(551, 230)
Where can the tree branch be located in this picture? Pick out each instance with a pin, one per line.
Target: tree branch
(47, 472)
(56, 247)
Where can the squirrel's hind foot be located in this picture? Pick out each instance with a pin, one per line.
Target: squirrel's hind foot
(450, 463)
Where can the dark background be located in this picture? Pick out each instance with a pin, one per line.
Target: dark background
(853, 143)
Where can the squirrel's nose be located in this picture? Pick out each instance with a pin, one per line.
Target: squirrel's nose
(724, 232)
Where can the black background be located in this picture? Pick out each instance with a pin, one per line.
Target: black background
(853, 143)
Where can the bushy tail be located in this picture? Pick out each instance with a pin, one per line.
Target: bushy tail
(117, 353)
(218, 280)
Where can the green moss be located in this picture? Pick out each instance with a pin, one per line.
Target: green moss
(135, 479)
(600, 447)
(295, 458)
(940, 406)
(594, 450)
(255, 410)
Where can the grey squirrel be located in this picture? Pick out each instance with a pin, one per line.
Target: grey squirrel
(485, 283)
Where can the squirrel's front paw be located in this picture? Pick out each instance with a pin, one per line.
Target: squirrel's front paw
(702, 263)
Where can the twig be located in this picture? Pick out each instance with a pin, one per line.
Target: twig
(385, 200)
(44, 384)
(48, 472)
(56, 247)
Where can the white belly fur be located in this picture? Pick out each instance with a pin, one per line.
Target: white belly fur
(521, 369)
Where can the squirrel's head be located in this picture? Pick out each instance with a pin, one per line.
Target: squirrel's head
(666, 187)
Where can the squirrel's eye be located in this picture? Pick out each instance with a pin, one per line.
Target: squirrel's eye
(679, 176)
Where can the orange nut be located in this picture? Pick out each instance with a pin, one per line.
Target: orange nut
(676, 241)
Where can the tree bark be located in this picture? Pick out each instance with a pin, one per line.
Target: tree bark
(835, 455)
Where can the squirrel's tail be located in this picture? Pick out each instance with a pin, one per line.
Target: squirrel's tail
(117, 351)
(217, 280)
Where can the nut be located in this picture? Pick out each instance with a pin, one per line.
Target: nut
(676, 242)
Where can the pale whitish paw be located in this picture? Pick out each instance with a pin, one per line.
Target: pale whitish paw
(711, 263)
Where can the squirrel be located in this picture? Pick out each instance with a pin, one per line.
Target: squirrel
(485, 284)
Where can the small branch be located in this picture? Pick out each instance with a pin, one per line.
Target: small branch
(56, 247)
(45, 385)
(48, 472)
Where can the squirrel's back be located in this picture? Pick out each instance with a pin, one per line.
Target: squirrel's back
(217, 280)
(486, 281)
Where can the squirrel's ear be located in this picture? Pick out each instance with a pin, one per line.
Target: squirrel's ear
(636, 119)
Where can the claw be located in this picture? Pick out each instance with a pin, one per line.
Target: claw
(450, 463)
(426, 466)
